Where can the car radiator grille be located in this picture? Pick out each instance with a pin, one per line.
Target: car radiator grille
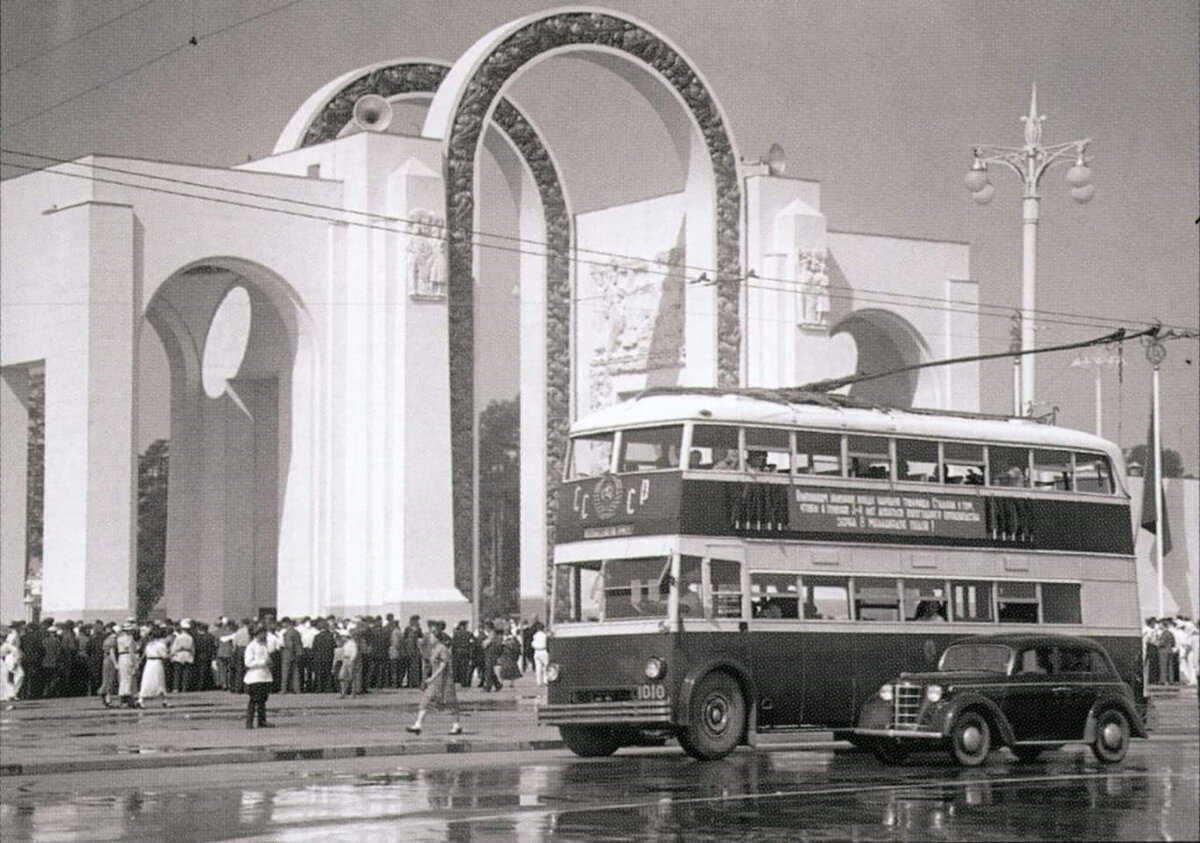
(906, 712)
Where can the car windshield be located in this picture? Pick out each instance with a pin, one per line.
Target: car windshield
(993, 658)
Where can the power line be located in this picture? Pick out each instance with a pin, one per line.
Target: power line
(383, 222)
(1108, 339)
(193, 41)
(78, 37)
(861, 294)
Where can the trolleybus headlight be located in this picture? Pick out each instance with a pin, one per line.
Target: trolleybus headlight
(885, 693)
(656, 669)
(933, 693)
(553, 671)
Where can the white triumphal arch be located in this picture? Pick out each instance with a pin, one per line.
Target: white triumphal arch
(317, 309)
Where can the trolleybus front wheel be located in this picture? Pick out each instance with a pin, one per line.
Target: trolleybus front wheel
(590, 741)
(716, 718)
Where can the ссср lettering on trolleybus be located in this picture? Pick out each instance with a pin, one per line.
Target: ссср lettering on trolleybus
(729, 562)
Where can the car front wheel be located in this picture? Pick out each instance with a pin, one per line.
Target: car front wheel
(1112, 737)
(970, 739)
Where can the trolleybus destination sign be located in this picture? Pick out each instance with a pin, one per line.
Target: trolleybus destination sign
(921, 513)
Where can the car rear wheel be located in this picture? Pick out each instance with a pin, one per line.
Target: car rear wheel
(1112, 737)
(890, 752)
(716, 718)
(590, 741)
(970, 739)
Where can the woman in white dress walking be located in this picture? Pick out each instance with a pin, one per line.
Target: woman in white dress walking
(154, 672)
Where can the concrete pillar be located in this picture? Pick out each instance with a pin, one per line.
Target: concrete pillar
(91, 410)
(421, 558)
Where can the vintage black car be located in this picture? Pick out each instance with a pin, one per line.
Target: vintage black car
(1031, 693)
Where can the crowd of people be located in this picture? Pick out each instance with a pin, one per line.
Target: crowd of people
(1170, 648)
(138, 663)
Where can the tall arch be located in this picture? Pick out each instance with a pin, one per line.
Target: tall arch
(327, 112)
(235, 522)
(466, 99)
(885, 341)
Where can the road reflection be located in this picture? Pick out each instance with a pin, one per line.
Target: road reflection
(764, 796)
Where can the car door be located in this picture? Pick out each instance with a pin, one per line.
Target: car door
(1075, 689)
(1028, 700)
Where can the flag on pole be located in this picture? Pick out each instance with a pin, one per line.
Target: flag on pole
(1152, 482)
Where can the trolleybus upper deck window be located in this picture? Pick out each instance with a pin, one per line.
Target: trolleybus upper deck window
(1008, 466)
(767, 449)
(1093, 474)
(818, 453)
(1052, 470)
(650, 448)
(870, 457)
(963, 462)
(917, 461)
(714, 446)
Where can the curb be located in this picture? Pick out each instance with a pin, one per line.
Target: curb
(260, 756)
(267, 755)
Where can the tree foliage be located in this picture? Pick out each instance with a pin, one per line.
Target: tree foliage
(35, 480)
(499, 510)
(1172, 463)
(153, 471)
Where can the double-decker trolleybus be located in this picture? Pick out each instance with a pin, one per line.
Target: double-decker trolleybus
(733, 561)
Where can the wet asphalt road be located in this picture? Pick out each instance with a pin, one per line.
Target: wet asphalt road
(647, 795)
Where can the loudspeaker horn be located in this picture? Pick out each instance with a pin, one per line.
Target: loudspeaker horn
(372, 113)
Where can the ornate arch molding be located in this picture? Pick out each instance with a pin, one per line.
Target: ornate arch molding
(422, 77)
(492, 72)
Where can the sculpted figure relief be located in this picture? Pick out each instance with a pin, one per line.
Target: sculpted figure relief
(425, 270)
(814, 288)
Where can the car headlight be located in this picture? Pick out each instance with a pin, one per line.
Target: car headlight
(933, 693)
(553, 672)
(885, 693)
(656, 669)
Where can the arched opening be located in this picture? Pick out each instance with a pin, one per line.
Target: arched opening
(884, 342)
(231, 331)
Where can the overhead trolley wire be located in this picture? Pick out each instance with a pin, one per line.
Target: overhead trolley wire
(388, 223)
(193, 41)
(75, 38)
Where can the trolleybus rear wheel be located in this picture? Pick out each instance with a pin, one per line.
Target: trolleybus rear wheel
(716, 718)
(590, 741)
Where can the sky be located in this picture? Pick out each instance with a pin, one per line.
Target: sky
(881, 102)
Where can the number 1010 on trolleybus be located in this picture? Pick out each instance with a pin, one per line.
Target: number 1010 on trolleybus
(731, 562)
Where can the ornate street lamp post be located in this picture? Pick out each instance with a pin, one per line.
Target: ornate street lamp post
(1030, 162)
